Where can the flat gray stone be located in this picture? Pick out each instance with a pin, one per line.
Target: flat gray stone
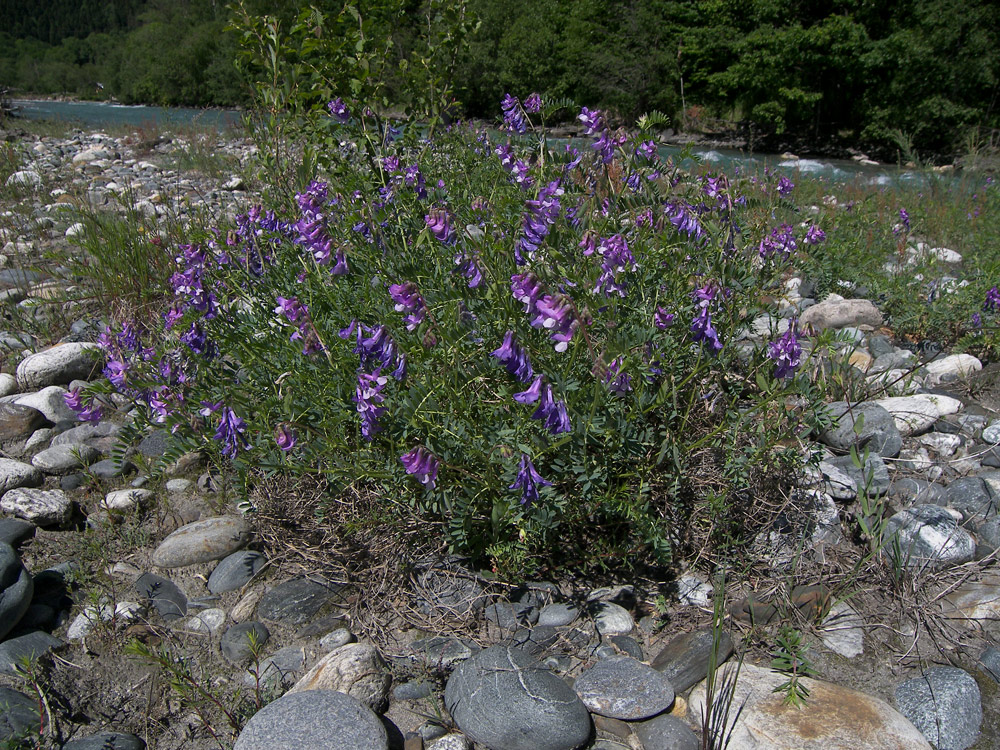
(41, 507)
(235, 643)
(101, 436)
(15, 531)
(18, 714)
(878, 429)
(611, 618)
(235, 571)
(106, 741)
(973, 497)
(295, 601)
(16, 589)
(109, 468)
(684, 660)
(314, 719)
(558, 614)
(59, 365)
(624, 688)
(510, 615)
(168, 600)
(666, 732)
(443, 651)
(30, 645)
(945, 705)
(19, 422)
(14, 474)
(500, 683)
(928, 537)
(62, 459)
(202, 541)
(872, 476)
(278, 670)
(49, 401)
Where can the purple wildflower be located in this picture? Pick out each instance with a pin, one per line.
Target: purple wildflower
(368, 396)
(904, 217)
(977, 320)
(618, 382)
(439, 222)
(684, 219)
(662, 319)
(992, 301)
(408, 300)
(593, 120)
(531, 394)
(533, 104)
(117, 372)
(514, 358)
(506, 154)
(616, 259)
(339, 110)
(701, 326)
(230, 433)
(520, 173)
(814, 235)
(646, 149)
(74, 399)
(422, 464)
(538, 220)
(555, 314)
(781, 242)
(285, 437)
(786, 353)
(785, 186)
(512, 114)
(527, 290)
(528, 481)
(553, 413)
(469, 268)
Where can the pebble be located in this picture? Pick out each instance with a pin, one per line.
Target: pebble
(14, 474)
(202, 541)
(278, 670)
(929, 537)
(41, 507)
(624, 688)
(611, 618)
(917, 413)
(314, 719)
(356, 669)
(58, 365)
(951, 368)
(236, 645)
(126, 500)
(49, 401)
(168, 600)
(295, 601)
(836, 312)
(558, 613)
(30, 645)
(16, 531)
(18, 714)
(207, 621)
(878, 429)
(666, 732)
(106, 741)
(19, 422)
(62, 459)
(235, 571)
(685, 659)
(945, 705)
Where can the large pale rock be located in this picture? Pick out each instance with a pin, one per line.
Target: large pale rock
(833, 718)
(202, 541)
(950, 368)
(927, 537)
(25, 178)
(974, 601)
(877, 429)
(840, 313)
(62, 459)
(917, 413)
(945, 704)
(50, 401)
(59, 365)
(356, 669)
(15, 474)
(41, 507)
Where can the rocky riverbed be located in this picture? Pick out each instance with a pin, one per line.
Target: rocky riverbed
(266, 651)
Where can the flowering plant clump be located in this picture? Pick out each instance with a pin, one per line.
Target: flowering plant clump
(529, 342)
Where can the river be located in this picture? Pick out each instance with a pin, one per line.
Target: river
(104, 114)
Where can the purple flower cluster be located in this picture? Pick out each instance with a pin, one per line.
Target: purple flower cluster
(368, 396)
(814, 235)
(230, 433)
(533, 104)
(297, 313)
(422, 464)
(468, 266)
(408, 300)
(552, 412)
(541, 214)
(594, 124)
(86, 411)
(781, 242)
(375, 348)
(189, 285)
(785, 186)
(684, 218)
(701, 326)
(438, 221)
(618, 382)
(663, 319)
(616, 259)
(339, 110)
(311, 228)
(552, 312)
(513, 115)
(514, 358)
(528, 481)
(285, 437)
(786, 352)
(992, 301)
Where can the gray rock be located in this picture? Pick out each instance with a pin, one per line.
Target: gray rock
(16, 589)
(110, 468)
(841, 313)
(973, 498)
(442, 651)
(684, 660)
(18, 714)
(295, 601)
(988, 533)
(125, 500)
(991, 434)
(624, 688)
(30, 645)
(100, 436)
(485, 692)
(990, 662)
(336, 639)
(928, 537)
(610, 618)
(839, 484)
(58, 365)
(448, 590)
(627, 645)
(451, 742)
(15, 531)
(14, 474)
(62, 459)
(154, 444)
(168, 600)
(278, 670)
(873, 476)
(666, 732)
(413, 690)
(26, 178)
(878, 429)
(559, 613)
(18, 277)
(511, 615)
(314, 719)
(917, 491)
(202, 541)
(235, 571)
(106, 741)
(945, 705)
(49, 401)
(41, 507)
(235, 642)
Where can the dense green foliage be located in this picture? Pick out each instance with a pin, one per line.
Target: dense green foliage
(866, 72)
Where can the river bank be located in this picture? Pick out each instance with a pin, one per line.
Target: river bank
(433, 651)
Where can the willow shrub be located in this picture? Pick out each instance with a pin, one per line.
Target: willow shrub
(543, 347)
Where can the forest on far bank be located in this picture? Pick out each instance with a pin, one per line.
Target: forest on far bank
(865, 72)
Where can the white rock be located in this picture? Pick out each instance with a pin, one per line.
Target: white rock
(952, 366)
(916, 413)
(25, 178)
(842, 631)
(208, 621)
(945, 255)
(58, 365)
(75, 229)
(8, 384)
(991, 434)
(41, 507)
(15, 474)
(49, 401)
(941, 443)
(123, 500)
